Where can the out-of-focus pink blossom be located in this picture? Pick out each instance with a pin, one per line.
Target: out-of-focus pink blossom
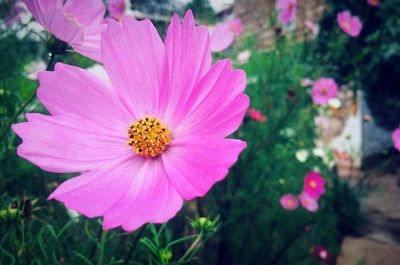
(314, 184)
(341, 155)
(118, 8)
(396, 138)
(322, 253)
(374, 2)
(322, 122)
(244, 56)
(257, 115)
(289, 202)
(287, 10)
(76, 22)
(312, 27)
(223, 34)
(308, 202)
(306, 82)
(351, 25)
(323, 90)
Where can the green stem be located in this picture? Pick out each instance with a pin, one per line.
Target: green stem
(102, 247)
(191, 249)
(134, 243)
(50, 66)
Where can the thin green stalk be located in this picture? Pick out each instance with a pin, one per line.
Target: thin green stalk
(102, 247)
(134, 243)
(50, 66)
(191, 249)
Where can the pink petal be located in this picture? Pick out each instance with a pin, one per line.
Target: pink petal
(96, 191)
(195, 165)
(90, 45)
(188, 57)
(39, 7)
(221, 37)
(67, 143)
(86, 12)
(71, 90)
(216, 106)
(149, 198)
(133, 55)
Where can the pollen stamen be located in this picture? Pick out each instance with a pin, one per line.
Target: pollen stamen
(148, 136)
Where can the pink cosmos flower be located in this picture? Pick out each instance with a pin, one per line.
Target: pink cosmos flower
(323, 90)
(374, 2)
(257, 115)
(117, 8)
(314, 184)
(223, 34)
(152, 138)
(308, 202)
(341, 155)
(244, 56)
(287, 10)
(351, 25)
(289, 202)
(396, 138)
(312, 27)
(76, 22)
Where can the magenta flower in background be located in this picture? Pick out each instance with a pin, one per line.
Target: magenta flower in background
(314, 184)
(323, 90)
(76, 22)
(223, 34)
(308, 202)
(287, 10)
(351, 25)
(289, 202)
(341, 155)
(257, 115)
(322, 253)
(396, 138)
(118, 8)
(152, 138)
(374, 2)
(312, 27)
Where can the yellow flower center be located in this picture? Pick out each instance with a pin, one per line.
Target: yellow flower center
(73, 19)
(313, 184)
(324, 91)
(148, 136)
(289, 203)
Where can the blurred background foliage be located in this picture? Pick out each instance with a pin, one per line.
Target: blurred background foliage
(240, 221)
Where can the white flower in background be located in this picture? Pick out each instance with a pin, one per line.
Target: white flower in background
(33, 68)
(100, 72)
(318, 152)
(334, 103)
(321, 122)
(302, 155)
(252, 80)
(288, 132)
(244, 56)
(306, 82)
(74, 215)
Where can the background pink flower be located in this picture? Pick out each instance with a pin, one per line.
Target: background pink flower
(351, 25)
(162, 96)
(244, 56)
(117, 8)
(396, 138)
(314, 184)
(289, 202)
(308, 202)
(374, 2)
(223, 34)
(257, 115)
(287, 10)
(322, 253)
(323, 90)
(76, 22)
(312, 27)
